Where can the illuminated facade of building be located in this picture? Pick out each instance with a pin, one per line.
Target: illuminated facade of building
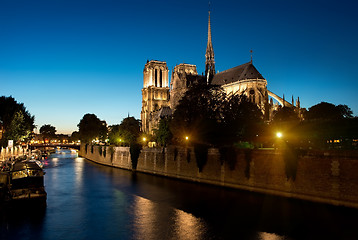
(158, 101)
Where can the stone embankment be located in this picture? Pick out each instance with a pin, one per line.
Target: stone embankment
(327, 177)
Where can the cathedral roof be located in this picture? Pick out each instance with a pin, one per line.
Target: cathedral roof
(239, 73)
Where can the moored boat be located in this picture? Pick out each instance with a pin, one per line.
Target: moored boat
(25, 181)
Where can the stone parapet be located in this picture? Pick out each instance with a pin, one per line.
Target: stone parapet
(327, 177)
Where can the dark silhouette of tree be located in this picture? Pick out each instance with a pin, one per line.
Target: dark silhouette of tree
(75, 136)
(197, 114)
(328, 111)
(208, 116)
(91, 127)
(241, 120)
(48, 132)
(163, 135)
(125, 133)
(114, 135)
(345, 111)
(285, 114)
(130, 129)
(326, 122)
(16, 121)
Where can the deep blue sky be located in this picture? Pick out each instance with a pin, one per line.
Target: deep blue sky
(66, 58)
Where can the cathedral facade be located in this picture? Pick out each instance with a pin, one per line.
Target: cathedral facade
(159, 101)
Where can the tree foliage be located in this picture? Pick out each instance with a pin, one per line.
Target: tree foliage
(285, 114)
(91, 127)
(125, 133)
(75, 136)
(17, 122)
(241, 120)
(163, 135)
(208, 116)
(324, 124)
(48, 131)
(196, 114)
(328, 111)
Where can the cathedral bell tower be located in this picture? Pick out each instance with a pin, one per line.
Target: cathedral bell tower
(155, 92)
(209, 56)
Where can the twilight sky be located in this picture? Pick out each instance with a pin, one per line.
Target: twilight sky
(66, 58)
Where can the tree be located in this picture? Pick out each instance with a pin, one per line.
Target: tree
(197, 114)
(75, 136)
(208, 116)
(345, 111)
(242, 120)
(114, 135)
(16, 121)
(91, 127)
(163, 134)
(48, 132)
(130, 130)
(285, 114)
(328, 111)
(326, 122)
(127, 132)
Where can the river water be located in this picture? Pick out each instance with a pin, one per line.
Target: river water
(89, 201)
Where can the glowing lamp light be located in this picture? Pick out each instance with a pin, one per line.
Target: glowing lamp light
(144, 139)
(279, 134)
(186, 138)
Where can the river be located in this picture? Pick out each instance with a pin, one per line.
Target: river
(90, 201)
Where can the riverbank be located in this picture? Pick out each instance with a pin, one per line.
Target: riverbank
(326, 177)
(13, 152)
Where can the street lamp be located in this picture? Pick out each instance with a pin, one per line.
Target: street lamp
(279, 134)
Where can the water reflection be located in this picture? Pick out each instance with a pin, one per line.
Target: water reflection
(91, 201)
(160, 221)
(145, 221)
(270, 236)
(78, 165)
(187, 226)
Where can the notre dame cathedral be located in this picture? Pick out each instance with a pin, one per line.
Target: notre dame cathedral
(159, 100)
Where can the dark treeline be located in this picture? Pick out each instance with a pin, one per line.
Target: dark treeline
(207, 116)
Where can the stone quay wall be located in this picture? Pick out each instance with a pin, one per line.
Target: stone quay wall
(327, 177)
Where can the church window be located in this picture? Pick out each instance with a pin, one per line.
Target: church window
(161, 78)
(156, 78)
(252, 92)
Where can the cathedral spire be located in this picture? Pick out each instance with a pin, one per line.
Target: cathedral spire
(209, 56)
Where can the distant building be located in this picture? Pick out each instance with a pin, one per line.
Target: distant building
(158, 101)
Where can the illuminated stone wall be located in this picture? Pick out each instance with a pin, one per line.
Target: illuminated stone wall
(328, 177)
(180, 82)
(155, 92)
